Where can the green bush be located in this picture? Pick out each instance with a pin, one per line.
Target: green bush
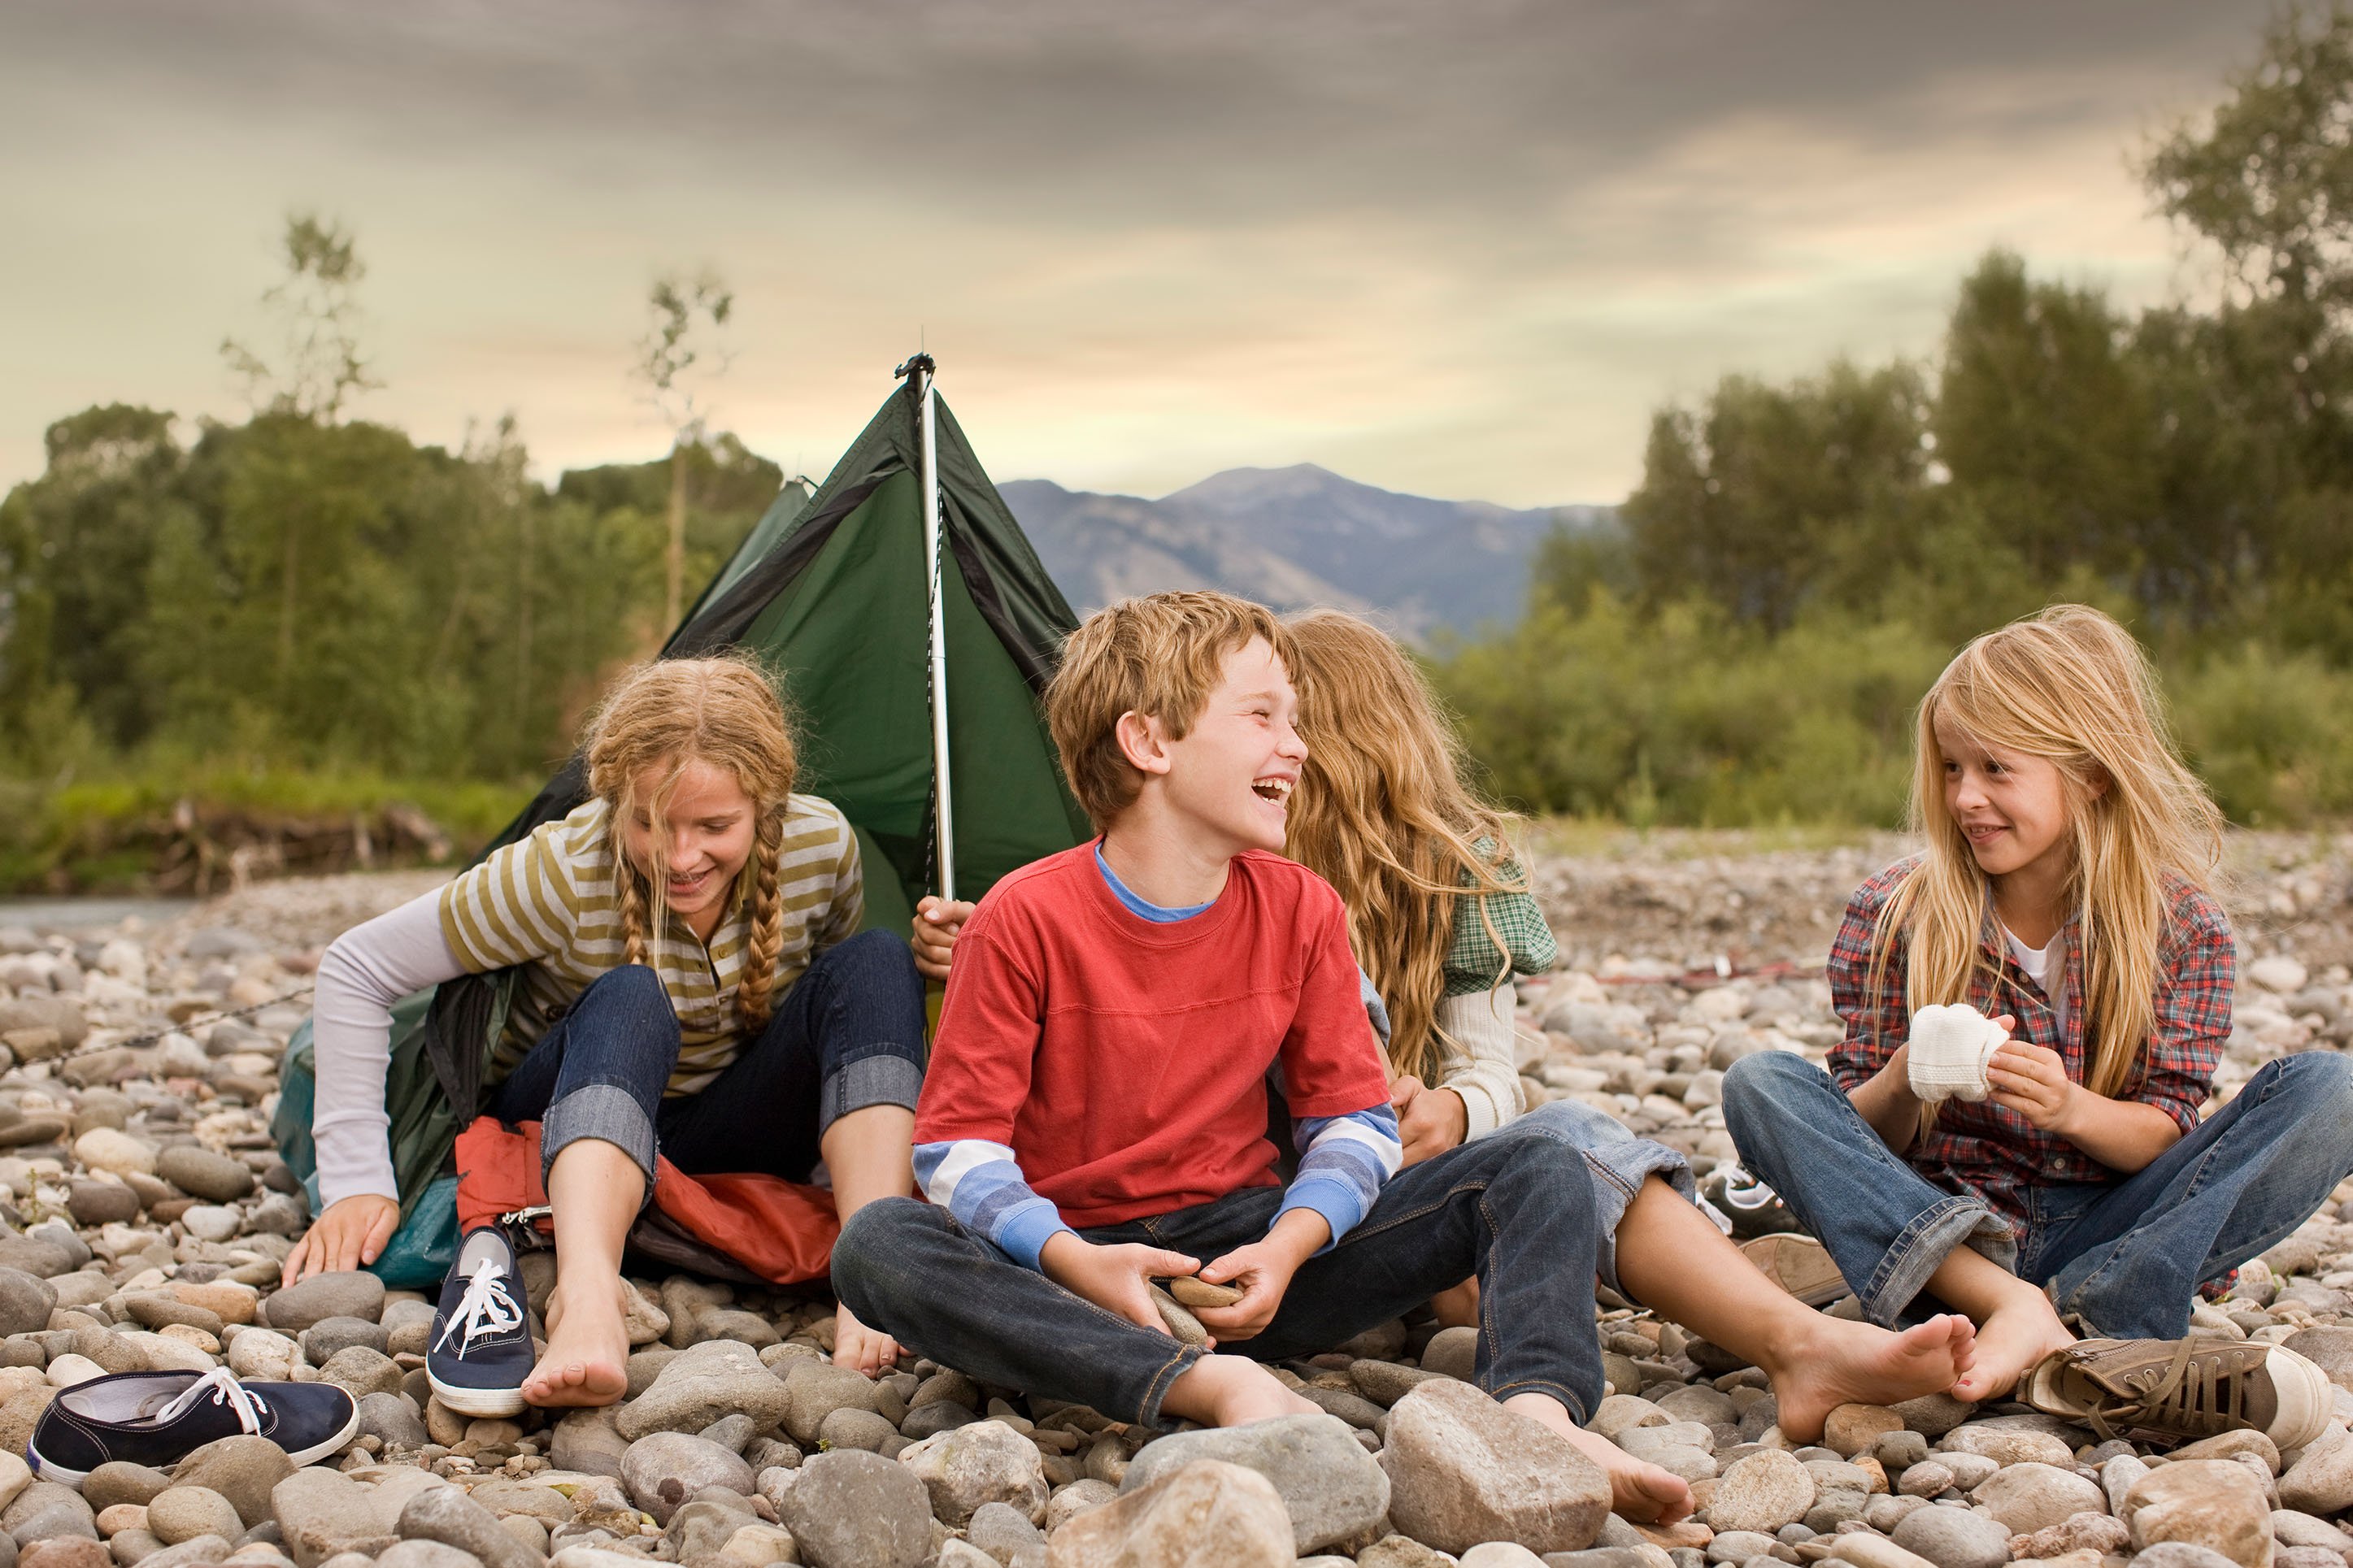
(2271, 733)
(1690, 719)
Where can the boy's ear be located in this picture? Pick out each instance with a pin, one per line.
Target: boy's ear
(1143, 743)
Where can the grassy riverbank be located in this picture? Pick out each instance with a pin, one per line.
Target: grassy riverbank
(201, 828)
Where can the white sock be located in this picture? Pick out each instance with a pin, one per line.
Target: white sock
(1950, 1046)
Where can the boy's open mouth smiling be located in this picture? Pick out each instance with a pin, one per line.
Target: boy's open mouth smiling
(1272, 788)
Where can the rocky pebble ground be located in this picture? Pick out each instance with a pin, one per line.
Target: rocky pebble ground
(146, 1215)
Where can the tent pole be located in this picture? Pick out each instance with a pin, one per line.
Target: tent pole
(920, 368)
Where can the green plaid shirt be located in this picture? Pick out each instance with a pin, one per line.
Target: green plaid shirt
(1473, 964)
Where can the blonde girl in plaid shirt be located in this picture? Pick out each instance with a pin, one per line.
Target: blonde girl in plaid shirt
(2065, 834)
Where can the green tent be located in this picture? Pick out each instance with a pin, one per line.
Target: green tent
(832, 590)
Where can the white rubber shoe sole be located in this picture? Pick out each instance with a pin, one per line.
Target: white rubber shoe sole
(478, 1401)
(2306, 1399)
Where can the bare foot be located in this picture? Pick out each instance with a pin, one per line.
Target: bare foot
(586, 1362)
(1841, 1363)
(1229, 1390)
(1639, 1491)
(2023, 1330)
(855, 1345)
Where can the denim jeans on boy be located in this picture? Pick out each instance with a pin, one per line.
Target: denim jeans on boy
(849, 1034)
(1516, 1212)
(2124, 1257)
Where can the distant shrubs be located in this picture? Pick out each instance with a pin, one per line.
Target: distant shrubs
(2272, 732)
(1689, 718)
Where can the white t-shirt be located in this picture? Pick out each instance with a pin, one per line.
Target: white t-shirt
(2037, 963)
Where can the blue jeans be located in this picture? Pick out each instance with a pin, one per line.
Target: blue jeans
(1516, 1212)
(849, 1034)
(2124, 1257)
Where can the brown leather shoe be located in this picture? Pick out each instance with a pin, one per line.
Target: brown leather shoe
(1800, 1264)
(2177, 1390)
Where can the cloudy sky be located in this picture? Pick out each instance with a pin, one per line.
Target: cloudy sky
(1458, 248)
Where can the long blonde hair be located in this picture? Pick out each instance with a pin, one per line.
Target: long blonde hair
(2072, 687)
(1384, 813)
(661, 717)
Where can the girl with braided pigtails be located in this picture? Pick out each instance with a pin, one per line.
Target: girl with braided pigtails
(694, 981)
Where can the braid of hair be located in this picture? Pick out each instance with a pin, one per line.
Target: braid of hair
(753, 1001)
(632, 890)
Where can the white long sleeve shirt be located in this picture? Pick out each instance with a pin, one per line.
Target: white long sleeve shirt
(1488, 1079)
(367, 969)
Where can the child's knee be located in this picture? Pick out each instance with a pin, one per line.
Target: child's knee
(2322, 1082)
(871, 1239)
(630, 991)
(877, 959)
(1572, 1122)
(1546, 1166)
(1762, 1082)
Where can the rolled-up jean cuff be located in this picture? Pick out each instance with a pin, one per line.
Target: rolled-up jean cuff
(1618, 1160)
(601, 1110)
(883, 1079)
(1147, 1412)
(1619, 1168)
(1922, 1249)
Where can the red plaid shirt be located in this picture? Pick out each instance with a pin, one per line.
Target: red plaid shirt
(1994, 1152)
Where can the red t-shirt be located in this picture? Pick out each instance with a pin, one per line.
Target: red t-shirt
(1124, 1061)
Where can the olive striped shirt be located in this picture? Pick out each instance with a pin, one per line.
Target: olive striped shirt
(550, 902)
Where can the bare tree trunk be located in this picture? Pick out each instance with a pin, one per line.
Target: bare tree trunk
(674, 561)
(286, 605)
(522, 622)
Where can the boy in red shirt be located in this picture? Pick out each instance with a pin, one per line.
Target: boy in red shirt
(1094, 1112)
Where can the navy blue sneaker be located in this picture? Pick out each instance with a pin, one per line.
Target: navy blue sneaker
(158, 1418)
(481, 1335)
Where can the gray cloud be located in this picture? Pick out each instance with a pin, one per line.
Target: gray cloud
(1384, 234)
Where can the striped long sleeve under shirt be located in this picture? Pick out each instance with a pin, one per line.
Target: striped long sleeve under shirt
(1342, 1161)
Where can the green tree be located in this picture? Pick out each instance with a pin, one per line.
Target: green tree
(1766, 497)
(2041, 419)
(77, 547)
(2267, 180)
(1574, 562)
(317, 369)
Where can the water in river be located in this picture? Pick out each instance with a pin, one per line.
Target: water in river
(78, 915)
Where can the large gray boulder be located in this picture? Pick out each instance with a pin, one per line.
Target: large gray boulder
(1463, 1470)
(705, 1383)
(1334, 1491)
(1203, 1514)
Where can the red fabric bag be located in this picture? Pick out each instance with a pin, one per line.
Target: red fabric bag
(751, 1228)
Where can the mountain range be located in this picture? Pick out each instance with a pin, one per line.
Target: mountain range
(1294, 537)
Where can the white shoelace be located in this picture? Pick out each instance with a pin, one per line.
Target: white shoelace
(485, 1309)
(225, 1389)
